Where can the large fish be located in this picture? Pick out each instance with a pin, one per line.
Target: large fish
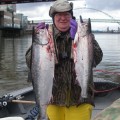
(83, 55)
(42, 69)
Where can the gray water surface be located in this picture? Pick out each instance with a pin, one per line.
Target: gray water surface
(13, 69)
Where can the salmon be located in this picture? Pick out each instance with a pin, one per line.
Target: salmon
(83, 55)
(42, 70)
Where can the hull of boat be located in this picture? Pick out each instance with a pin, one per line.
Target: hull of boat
(102, 101)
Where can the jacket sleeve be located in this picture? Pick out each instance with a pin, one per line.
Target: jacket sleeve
(98, 54)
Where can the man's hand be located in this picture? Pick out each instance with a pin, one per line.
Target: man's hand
(73, 29)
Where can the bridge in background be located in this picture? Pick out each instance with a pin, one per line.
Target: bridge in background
(106, 20)
(35, 22)
(92, 20)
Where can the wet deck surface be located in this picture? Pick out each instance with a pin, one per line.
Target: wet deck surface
(101, 102)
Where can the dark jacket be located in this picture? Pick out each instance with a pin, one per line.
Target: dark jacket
(66, 90)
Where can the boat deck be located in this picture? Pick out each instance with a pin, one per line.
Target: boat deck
(102, 101)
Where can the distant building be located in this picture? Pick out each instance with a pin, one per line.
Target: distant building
(5, 19)
(8, 7)
(23, 20)
(9, 17)
(108, 29)
(118, 29)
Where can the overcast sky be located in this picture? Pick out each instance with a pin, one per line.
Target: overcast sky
(87, 8)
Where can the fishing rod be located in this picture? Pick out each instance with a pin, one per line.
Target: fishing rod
(5, 99)
(23, 101)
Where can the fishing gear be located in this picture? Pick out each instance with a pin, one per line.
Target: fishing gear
(10, 98)
(5, 99)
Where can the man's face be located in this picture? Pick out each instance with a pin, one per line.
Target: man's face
(62, 21)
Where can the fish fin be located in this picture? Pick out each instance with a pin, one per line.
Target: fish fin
(89, 26)
(81, 20)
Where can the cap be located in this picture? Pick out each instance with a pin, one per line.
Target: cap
(60, 6)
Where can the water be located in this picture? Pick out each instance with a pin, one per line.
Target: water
(109, 68)
(13, 69)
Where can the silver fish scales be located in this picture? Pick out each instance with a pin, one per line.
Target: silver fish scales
(42, 69)
(84, 55)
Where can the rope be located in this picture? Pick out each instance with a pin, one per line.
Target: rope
(109, 72)
(117, 86)
(103, 91)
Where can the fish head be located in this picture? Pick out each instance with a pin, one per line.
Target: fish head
(42, 37)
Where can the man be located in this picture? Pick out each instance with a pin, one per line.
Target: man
(66, 90)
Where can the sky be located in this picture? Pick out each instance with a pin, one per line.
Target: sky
(94, 9)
